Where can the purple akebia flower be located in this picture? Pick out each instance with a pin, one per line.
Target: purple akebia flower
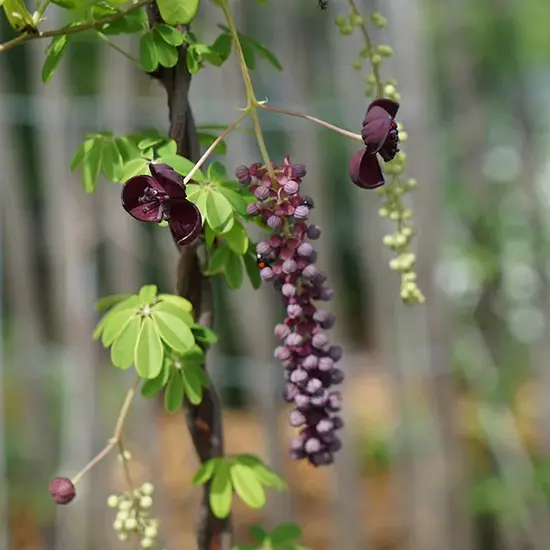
(161, 196)
(380, 136)
(287, 260)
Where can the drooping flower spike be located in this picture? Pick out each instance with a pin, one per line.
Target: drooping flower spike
(160, 197)
(380, 136)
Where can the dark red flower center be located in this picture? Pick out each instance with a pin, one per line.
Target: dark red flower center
(156, 199)
(390, 149)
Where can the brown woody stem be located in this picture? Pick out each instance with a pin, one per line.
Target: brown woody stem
(204, 420)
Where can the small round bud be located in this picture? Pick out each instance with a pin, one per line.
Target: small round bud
(305, 250)
(130, 524)
(281, 331)
(145, 502)
(293, 340)
(289, 266)
(301, 212)
(376, 59)
(123, 536)
(62, 490)
(122, 515)
(288, 290)
(242, 174)
(267, 274)
(274, 222)
(291, 187)
(150, 531)
(357, 64)
(112, 501)
(313, 232)
(252, 209)
(312, 445)
(124, 504)
(261, 193)
(118, 525)
(147, 543)
(384, 50)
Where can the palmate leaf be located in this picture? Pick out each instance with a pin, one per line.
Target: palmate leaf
(218, 210)
(221, 491)
(169, 34)
(147, 294)
(178, 301)
(183, 166)
(205, 472)
(148, 55)
(115, 324)
(266, 475)
(123, 349)
(173, 396)
(204, 335)
(167, 54)
(175, 333)
(193, 382)
(285, 532)
(130, 303)
(237, 238)
(206, 139)
(172, 309)
(152, 386)
(252, 270)
(54, 54)
(178, 12)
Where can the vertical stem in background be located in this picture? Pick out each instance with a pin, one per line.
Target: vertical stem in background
(204, 420)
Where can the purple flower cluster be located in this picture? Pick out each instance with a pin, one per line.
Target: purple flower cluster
(288, 261)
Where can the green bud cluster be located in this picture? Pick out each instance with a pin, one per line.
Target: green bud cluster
(393, 192)
(134, 516)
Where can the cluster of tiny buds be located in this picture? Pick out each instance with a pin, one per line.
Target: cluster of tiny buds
(133, 515)
(288, 261)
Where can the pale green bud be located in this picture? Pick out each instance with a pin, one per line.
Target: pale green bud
(125, 504)
(118, 525)
(123, 515)
(123, 536)
(147, 543)
(346, 30)
(389, 89)
(376, 59)
(130, 524)
(357, 65)
(383, 212)
(341, 21)
(356, 19)
(388, 240)
(147, 489)
(407, 214)
(394, 264)
(378, 20)
(403, 136)
(395, 215)
(145, 502)
(370, 79)
(151, 531)
(112, 501)
(384, 50)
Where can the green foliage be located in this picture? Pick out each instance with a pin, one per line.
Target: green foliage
(246, 475)
(17, 15)
(251, 48)
(54, 53)
(178, 12)
(283, 537)
(198, 54)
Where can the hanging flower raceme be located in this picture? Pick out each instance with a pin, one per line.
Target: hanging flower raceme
(160, 197)
(288, 261)
(380, 136)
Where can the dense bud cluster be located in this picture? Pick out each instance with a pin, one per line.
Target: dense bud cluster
(288, 261)
(133, 515)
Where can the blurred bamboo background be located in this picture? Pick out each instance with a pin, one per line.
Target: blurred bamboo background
(447, 406)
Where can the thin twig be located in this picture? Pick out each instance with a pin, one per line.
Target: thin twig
(26, 37)
(117, 48)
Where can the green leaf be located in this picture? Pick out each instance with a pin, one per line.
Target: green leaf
(178, 12)
(111, 161)
(236, 238)
(286, 532)
(264, 53)
(252, 270)
(234, 270)
(135, 167)
(216, 171)
(128, 149)
(209, 54)
(209, 235)
(134, 22)
(149, 350)
(175, 333)
(109, 301)
(170, 147)
(178, 301)
(222, 46)
(235, 198)
(169, 34)
(148, 56)
(265, 474)
(130, 303)
(91, 164)
(54, 53)
(206, 140)
(173, 397)
(65, 4)
(150, 138)
(183, 166)
(80, 153)
(147, 294)
(192, 383)
(248, 54)
(122, 351)
(167, 54)
(218, 209)
(152, 386)
(218, 260)
(247, 486)
(192, 60)
(194, 355)
(221, 492)
(204, 335)
(204, 473)
(258, 532)
(115, 324)
(174, 310)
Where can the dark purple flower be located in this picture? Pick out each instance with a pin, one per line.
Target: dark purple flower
(162, 196)
(380, 136)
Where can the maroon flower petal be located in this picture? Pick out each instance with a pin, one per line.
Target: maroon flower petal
(132, 190)
(169, 180)
(391, 107)
(376, 127)
(365, 171)
(185, 222)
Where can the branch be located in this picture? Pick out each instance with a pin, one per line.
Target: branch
(26, 37)
(204, 420)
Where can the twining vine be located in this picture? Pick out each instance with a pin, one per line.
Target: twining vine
(166, 180)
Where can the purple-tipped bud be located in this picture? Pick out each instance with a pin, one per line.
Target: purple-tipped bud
(310, 362)
(321, 459)
(325, 293)
(252, 209)
(320, 278)
(261, 193)
(319, 340)
(312, 445)
(313, 232)
(291, 187)
(301, 212)
(313, 386)
(263, 248)
(298, 376)
(293, 339)
(336, 376)
(294, 311)
(274, 222)
(296, 419)
(309, 272)
(281, 331)
(324, 426)
(334, 401)
(288, 290)
(335, 445)
(290, 392)
(289, 266)
(299, 170)
(297, 455)
(297, 443)
(282, 353)
(302, 401)
(243, 174)
(335, 353)
(267, 274)
(305, 250)
(62, 490)
(325, 364)
(338, 422)
(320, 400)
